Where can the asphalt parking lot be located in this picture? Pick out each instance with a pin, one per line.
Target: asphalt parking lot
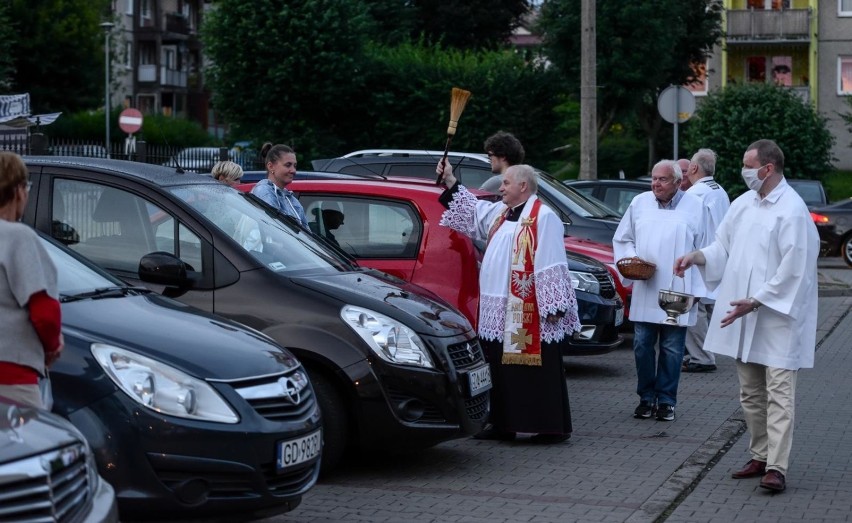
(620, 469)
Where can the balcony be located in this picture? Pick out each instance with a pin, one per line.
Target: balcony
(147, 73)
(759, 25)
(172, 77)
(177, 23)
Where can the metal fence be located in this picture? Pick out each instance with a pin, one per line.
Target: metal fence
(191, 159)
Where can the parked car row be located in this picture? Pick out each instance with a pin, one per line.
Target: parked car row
(192, 414)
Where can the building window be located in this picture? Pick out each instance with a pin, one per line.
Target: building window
(129, 7)
(844, 75)
(782, 70)
(769, 4)
(844, 7)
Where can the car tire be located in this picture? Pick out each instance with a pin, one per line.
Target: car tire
(335, 423)
(846, 249)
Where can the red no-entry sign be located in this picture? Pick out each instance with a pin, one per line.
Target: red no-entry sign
(130, 120)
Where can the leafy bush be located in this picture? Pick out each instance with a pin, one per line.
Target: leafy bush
(729, 120)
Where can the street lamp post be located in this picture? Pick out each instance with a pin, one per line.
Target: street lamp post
(107, 27)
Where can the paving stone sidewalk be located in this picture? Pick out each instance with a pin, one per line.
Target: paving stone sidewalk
(620, 469)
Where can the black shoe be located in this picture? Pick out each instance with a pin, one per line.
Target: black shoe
(546, 439)
(644, 411)
(495, 434)
(698, 367)
(665, 412)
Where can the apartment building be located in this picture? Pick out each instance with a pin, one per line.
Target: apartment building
(158, 59)
(803, 45)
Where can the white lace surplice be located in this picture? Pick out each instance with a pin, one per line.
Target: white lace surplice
(554, 292)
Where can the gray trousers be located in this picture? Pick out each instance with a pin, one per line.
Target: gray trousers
(695, 334)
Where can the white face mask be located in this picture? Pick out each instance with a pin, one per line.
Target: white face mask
(751, 179)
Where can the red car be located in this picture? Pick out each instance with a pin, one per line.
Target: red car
(392, 225)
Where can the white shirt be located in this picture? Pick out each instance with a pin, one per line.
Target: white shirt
(766, 249)
(716, 204)
(660, 236)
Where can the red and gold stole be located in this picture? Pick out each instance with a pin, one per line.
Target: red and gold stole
(521, 335)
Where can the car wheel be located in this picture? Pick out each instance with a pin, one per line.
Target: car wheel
(335, 425)
(846, 249)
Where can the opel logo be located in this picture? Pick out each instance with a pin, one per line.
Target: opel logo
(290, 390)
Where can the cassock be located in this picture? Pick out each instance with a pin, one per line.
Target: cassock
(524, 398)
(716, 205)
(767, 250)
(660, 236)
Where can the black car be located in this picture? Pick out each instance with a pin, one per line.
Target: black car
(811, 191)
(392, 368)
(834, 223)
(189, 414)
(617, 194)
(582, 217)
(47, 471)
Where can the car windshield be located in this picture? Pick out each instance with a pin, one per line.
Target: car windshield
(573, 200)
(74, 276)
(271, 238)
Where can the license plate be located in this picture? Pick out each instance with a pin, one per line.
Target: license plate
(299, 450)
(479, 380)
(619, 316)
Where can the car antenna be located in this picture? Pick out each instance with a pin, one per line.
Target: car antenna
(178, 168)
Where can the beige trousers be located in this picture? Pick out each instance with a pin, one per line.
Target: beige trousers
(768, 398)
(28, 395)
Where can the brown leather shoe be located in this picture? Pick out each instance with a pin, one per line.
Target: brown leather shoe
(773, 480)
(752, 469)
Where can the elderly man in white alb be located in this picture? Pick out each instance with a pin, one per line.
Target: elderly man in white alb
(657, 226)
(700, 172)
(764, 260)
(527, 306)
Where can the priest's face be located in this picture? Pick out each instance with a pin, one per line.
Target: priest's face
(513, 189)
(663, 183)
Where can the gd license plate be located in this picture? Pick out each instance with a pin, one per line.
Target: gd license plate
(619, 316)
(299, 450)
(479, 380)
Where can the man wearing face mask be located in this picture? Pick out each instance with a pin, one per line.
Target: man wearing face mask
(764, 263)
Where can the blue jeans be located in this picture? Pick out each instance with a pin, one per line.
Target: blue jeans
(658, 377)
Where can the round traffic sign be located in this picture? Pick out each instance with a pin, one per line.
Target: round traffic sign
(130, 120)
(676, 103)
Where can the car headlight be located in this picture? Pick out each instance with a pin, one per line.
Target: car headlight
(162, 388)
(389, 339)
(586, 282)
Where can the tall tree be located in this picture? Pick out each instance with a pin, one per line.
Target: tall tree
(635, 60)
(8, 38)
(60, 61)
(283, 70)
(460, 24)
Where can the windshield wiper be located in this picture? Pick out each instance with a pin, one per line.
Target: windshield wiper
(103, 292)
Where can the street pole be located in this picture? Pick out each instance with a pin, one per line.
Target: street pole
(107, 27)
(588, 93)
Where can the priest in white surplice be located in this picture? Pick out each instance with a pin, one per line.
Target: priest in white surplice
(700, 172)
(527, 306)
(764, 261)
(658, 226)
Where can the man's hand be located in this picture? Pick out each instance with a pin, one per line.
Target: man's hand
(688, 260)
(741, 308)
(445, 171)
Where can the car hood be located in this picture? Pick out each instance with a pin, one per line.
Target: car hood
(25, 431)
(581, 262)
(393, 297)
(202, 345)
(599, 251)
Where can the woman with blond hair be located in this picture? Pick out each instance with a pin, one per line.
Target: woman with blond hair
(227, 172)
(30, 317)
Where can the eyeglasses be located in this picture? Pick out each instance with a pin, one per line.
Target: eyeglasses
(490, 155)
(29, 185)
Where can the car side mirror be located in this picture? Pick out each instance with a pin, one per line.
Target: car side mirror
(164, 268)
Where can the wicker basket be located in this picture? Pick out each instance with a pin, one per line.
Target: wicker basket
(636, 268)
